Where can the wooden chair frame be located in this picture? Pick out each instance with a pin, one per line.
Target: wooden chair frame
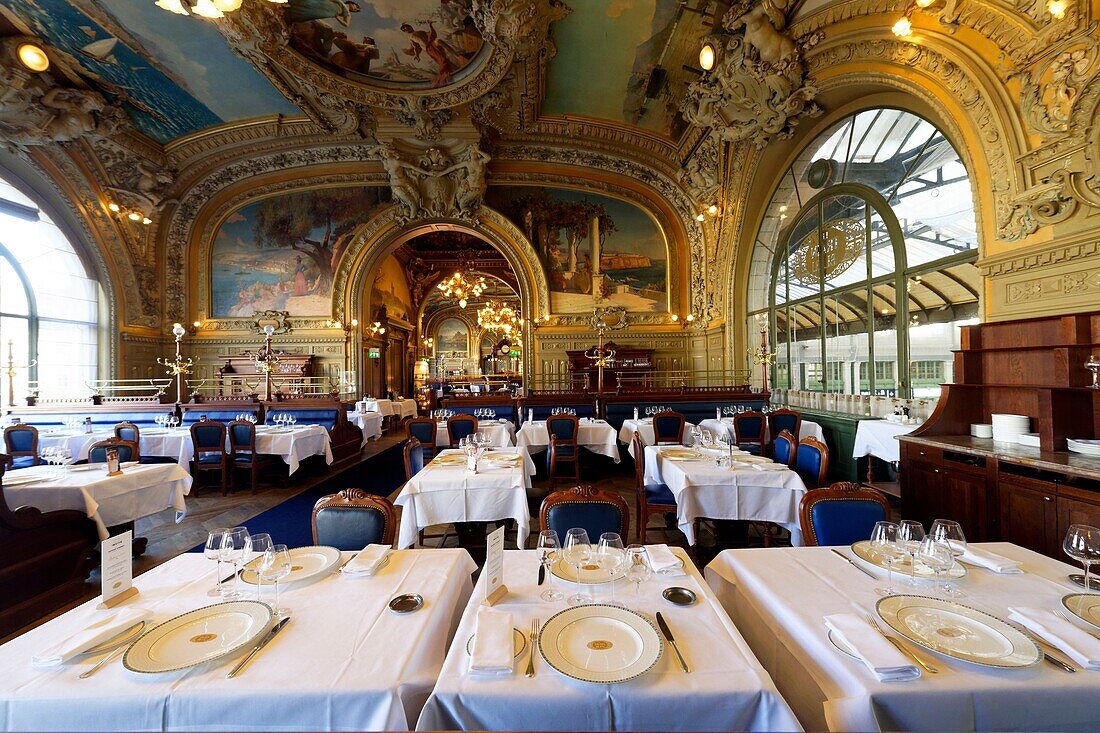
(222, 466)
(557, 443)
(785, 435)
(741, 416)
(679, 439)
(352, 499)
(429, 449)
(132, 426)
(13, 454)
(410, 443)
(135, 454)
(841, 491)
(824, 449)
(783, 412)
(586, 495)
(249, 448)
(451, 442)
(644, 508)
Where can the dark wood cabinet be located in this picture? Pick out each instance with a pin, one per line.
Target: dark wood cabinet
(630, 367)
(1028, 515)
(938, 485)
(1076, 506)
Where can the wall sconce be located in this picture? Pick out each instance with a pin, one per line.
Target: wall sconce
(197, 324)
(903, 28)
(707, 56)
(675, 317)
(135, 216)
(376, 328)
(687, 321)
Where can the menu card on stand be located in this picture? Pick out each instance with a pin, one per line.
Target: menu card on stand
(117, 571)
(494, 567)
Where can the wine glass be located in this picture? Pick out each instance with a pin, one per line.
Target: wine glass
(577, 551)
(610, 557)
(638, 569)
(884, 544)
(937, 556)
(275, 566)
(549, 547)
(213, 551)
(950, 533)
(233, 548)
(910, 534)
(258, 544)
(1082, 543)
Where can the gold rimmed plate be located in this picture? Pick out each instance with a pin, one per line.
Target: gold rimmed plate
(905, 566)
(590, 573)
(1085, 606)
(203, 635)
(519, 643)
(305, 563)
(600, 643)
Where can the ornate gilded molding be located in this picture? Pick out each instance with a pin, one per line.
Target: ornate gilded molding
(436, 182)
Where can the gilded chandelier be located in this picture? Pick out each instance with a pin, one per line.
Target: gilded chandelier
(458, 287)
(204, 8)
(501, 318)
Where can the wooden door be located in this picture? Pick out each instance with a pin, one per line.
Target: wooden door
(1029, 516)
(1075, 506)
(964, 500)
(923, 492)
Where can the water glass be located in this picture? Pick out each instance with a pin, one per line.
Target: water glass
(213, 551)
(258, 544)
(937, 556)
(884, 544)
(638, 569)
(950, 534)
(610, 557)
(1082, 543)
(549, 547)
(910, 534)
(577, 551)
(233, 548)
(275, 566)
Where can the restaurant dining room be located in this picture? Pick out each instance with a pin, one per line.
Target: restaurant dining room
(550, 365)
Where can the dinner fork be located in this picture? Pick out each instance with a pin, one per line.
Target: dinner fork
(901, 647)
(531, 657)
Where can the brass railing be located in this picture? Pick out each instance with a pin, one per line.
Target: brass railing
(666, 379)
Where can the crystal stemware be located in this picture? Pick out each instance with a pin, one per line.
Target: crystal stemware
(233, 548)
(950, 533)
(213, 551)
(258, 544)
(638, 569)
(910, 534)
(937, 556)
(274, 567)
(1082, 543)
(884, 544)
(610, 556)
(549, 547)
(577, 551)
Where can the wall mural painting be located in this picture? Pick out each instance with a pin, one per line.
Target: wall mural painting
(391, 290)
(596, 250)
(281, 253)
(453, 338)
(406, 43)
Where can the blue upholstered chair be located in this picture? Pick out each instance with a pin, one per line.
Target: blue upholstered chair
(21, 443)
(242, 452)
(749, 428)
(841, 514)
(414, 458)
(208, 438)
(785, 446)
(127, 450)
(563, 431)
(650, 498)
(590, 509)
(128, 431)
(811, 462)
(668, 427)
(424, 430)
(353, 519)
(459, 427)
(780, 420)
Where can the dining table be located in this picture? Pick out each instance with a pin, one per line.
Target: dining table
(446, 491)
(294, 444)
(643, 426)
(140, 490)
(723, 428)
(498, 432)
(160, 442)
(594, 434)
(369, 422)
(879, 438)
(726, 689)
(755, 489)
(382, 406)
(779, 598)
(344, 662)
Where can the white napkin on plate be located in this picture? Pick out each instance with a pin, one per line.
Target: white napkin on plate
(663, 561)
(991, 560)
(1079, 644)
(368, 561)
(494, 647)
(102, 629)
(876, 652)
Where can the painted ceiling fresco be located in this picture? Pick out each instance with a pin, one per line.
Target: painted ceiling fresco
(175, 74)
(403, 43)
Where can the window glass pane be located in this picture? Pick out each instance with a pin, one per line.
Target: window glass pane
(13, 294)
(804, 258)
(14, 341)
(781, 283)
(782, 376)
(843, 250)
(882, 247)
(846, 340)
(806, 346)
(66, 358)
(886, 341)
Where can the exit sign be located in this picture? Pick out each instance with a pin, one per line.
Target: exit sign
(374, 353)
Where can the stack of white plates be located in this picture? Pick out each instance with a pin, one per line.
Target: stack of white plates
(1084, 447)
(1029, 439)
(1007, 428)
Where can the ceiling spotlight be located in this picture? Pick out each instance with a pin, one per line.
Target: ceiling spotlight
(146, 221)
(172, 6)
(707, 56)
(33, 56)
(782, 208)
(902, 28)
(1057, 8)
(228, 6)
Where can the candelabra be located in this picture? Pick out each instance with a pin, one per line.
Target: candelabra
(762, 355)
(1093, 365)
(12, 367)
(267, 361)
(602, 358)
(178, 366)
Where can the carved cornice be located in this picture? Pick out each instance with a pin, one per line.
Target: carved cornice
(1081, 247)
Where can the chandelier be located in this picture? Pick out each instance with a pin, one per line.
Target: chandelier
(204, 8)
(500, 318)
(457, 287)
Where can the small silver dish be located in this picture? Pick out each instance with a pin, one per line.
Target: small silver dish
(1079, 579)
(679, 596)
(406, 603)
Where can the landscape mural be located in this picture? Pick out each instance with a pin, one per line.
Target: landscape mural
(453, 337)
(420, 43)
(631, 269)
(281, 253)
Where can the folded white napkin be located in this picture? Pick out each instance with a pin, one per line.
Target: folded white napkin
(769, 466)
(493, 648)
(991, 560)
(1081, 646)
(102, 629)
(663, 561)
(877, 653)
(368, 561)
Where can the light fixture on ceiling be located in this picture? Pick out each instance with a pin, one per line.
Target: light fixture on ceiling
(707, 56)
(924, 3)
(700, 216)
(500, 318)
(204, 8)
(173, 6)
(32, 56)
(130, 214)
(903, 28)
(712, 210)
(458, 287)
(1057, 8)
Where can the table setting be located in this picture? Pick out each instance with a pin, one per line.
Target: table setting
(723, 428)
(157, 441)
(627, 660)
(495, 431)
(293, 443)
(644, 427)
(269, 645)
(369, 422)
(725, 482)
(594, 434)
(922, 630)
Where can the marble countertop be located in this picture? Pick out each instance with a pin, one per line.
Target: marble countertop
(1063, 461)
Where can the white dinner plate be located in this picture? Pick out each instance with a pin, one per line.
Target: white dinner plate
(600, 643)
(305, 563)
(591, 573)
(682, 454)
(451, 460)
(519, 642)
(10, 480)
(958, 631)
(905, 565)
(198, 636)
(749, 458)
(88, 467)
(1085, 606)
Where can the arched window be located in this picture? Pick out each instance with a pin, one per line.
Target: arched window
(48, 303)
(864, 264)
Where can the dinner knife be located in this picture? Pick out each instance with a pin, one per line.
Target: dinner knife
(262, 643)
(852, 562)
(668, 636)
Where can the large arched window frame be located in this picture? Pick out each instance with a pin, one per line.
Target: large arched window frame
(880, 317)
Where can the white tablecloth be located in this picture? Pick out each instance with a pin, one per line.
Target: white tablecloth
(154, 442)
(879, 438)
(702, 489)
(443, 494)
(644, 427)
(501, 433)
(344, 662)
(724, 427)
(300, 442)
(369, 422)
(596, 435)
(779, 597)
(140, 491)
(385, 407)
(726, 690)
(404, 408)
